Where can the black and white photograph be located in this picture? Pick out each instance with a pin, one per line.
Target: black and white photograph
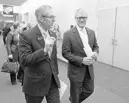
(64, 51)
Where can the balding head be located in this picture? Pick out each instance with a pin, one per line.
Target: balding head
(81, 13)
(81, 17)
(42, 10)
(45, 16)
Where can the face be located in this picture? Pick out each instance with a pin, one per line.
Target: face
(81, 18)
(47, 19)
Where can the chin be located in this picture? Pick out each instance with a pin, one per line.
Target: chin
(81, 25)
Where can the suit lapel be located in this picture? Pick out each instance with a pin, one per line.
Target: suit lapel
(51, 34)
(77, 36)
(40, 38)
(88, 35)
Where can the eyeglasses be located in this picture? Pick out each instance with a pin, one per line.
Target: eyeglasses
(51, 17)
(81, 18)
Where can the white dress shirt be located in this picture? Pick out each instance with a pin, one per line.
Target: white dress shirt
(44, 33)
(84, 37)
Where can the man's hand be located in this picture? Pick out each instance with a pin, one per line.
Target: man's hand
(10, 56)
(94, 56)
(87, 61)
(49, 42)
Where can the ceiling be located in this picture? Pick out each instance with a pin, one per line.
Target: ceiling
(12, 2)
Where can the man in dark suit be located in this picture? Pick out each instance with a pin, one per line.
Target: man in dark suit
(80, 48)
(38, 56)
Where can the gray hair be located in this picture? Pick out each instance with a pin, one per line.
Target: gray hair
(79, 11)
(42, 9)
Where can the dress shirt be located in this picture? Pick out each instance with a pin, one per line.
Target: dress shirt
(84, 37)
(44, 33)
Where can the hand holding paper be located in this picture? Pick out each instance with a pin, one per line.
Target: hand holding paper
(88, 51)
(87, 60)
(49, 42)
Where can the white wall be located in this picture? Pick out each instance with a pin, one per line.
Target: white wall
(111, 3)
(64, 11)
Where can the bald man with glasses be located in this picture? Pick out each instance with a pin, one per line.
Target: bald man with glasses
(38, 56)
(80, 48)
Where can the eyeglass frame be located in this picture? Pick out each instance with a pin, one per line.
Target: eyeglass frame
(51, 17)
(81, 18)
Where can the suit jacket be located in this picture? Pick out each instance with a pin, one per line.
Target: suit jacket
(38, 67)
(72, 50)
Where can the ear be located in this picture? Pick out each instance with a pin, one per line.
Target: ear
(41, 19)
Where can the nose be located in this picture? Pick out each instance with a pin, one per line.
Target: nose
(81, 19)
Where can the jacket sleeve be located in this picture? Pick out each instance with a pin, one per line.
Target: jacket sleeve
(56, 62)
(27, 56)
(67, 52)
(9, 40)
(95, 45)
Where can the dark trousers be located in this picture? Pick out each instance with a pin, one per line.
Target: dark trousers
(13, 77)
(12, 74)
(79, 91)
(20, 73)
(52, 96)
(4, 39)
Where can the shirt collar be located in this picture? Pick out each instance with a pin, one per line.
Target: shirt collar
(41, 29)
(80, 29)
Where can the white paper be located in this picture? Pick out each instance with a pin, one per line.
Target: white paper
(88, 51)
(62, 89)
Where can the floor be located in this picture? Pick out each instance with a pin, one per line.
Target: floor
(111, 84)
